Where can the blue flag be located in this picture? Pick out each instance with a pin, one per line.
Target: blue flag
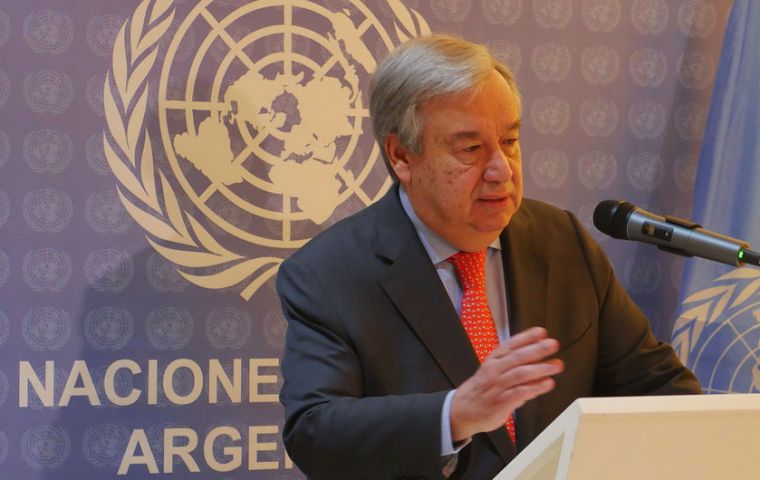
(717, 334)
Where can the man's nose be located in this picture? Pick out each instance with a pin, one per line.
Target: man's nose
(498, 168)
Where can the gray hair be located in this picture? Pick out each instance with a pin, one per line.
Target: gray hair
(419, 70)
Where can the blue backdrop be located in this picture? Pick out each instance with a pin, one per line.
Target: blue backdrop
(159, 159)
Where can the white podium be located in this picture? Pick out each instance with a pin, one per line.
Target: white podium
(674, 437)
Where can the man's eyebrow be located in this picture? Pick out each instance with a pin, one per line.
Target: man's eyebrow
(463, 135)
(474, 134)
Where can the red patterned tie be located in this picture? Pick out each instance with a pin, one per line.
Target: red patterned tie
(476, 316)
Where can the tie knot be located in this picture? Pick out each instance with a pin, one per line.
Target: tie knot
(471, 268)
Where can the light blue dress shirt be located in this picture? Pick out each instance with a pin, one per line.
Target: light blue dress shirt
(439, 250)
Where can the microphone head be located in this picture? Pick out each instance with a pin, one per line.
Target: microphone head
(611, 217)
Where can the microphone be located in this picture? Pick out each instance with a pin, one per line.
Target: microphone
(620, 219)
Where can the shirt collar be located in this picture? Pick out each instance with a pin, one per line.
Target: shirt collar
(438, 249)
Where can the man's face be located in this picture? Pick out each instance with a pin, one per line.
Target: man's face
(467, 182)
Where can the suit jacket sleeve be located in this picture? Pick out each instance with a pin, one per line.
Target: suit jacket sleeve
(630, 361)
(561, 279)
(332, 429)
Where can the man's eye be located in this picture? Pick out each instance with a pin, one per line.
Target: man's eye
(510, 141)
(471, 148)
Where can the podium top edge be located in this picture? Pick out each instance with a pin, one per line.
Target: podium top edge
(668, 403)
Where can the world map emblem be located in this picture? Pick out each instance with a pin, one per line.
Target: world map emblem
(232, 157)
(718, 333)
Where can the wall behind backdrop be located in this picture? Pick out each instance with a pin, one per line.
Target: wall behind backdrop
(159, 159)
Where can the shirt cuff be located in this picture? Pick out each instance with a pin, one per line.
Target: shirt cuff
(447, 444)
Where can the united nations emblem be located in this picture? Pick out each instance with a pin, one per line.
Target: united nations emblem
(645, 171)
(108, 328)
(599, 65)
(46, 328)
(103, 445)
(47, 210)
(695, 69)
(502, 12)
(649, 17)
(551, 62)
(169, 328)
(45, 447)
(718, 333)
(597, 170)
(48, 151)
(552, 13)
(696, 18)
(48, 91)
(454, 11)
(549, 168)
(647, 119)
(601, 15)
(228, 328)
(47, 269)
(259, 127)
(506, 52)
(105, 213)
(690, 120)
(108, 270)
(48, 31)
(598, 117)
(550, 115)
(101, 32)
(162, 275)
(648, 67)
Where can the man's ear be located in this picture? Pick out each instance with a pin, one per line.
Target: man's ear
(399, 158)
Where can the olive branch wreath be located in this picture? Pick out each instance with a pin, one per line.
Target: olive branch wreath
(706, 306)
(129, 153)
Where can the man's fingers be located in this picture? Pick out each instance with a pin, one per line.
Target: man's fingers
(518, 396)
(523, 374)
(517, 371)
(529, 373)
(480, 402)
(521, 339)
(531, 352)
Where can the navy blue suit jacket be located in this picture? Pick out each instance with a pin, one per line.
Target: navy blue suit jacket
(374, 343)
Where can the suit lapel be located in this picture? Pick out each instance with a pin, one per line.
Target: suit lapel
(527, 279)
(434, 319)
(429, 312)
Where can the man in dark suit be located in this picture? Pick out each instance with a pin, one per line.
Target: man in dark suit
(382, 379)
